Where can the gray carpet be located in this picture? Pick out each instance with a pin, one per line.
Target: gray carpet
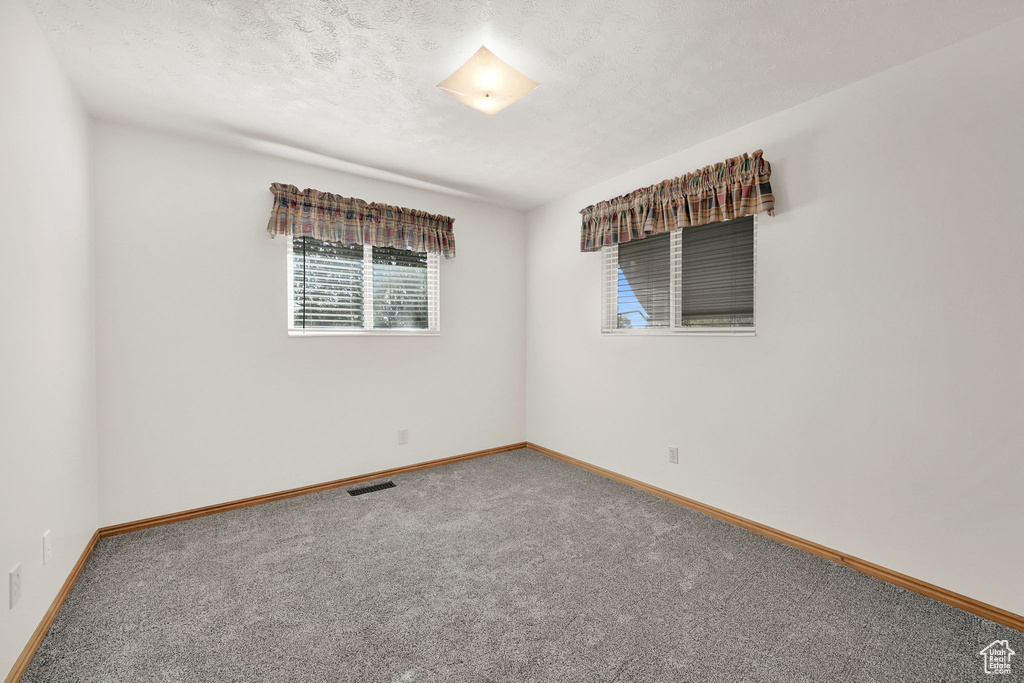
(515, 567)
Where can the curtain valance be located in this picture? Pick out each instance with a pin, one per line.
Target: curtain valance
(730, 189)
(347, 220)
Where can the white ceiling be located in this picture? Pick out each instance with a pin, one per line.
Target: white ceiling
(622, 82)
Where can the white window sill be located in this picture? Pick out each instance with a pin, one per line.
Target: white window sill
(364, 333)
(663, 332)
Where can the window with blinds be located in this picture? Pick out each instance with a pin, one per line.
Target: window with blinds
(698, 279)
(337, 289)
(643, 277)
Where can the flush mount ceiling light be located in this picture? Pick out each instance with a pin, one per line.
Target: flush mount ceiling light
(486, 83)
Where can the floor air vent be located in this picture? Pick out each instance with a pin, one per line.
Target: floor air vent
(371, 489)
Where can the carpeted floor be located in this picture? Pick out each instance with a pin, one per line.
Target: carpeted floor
(514, 567)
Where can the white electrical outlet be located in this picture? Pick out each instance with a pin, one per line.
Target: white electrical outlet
(403, 436)
(47, 547)
(14, 582)
(673, 455)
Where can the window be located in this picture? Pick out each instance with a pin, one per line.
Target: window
(359, 289)
(697, 280)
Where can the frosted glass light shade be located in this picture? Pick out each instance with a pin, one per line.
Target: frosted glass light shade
(486, 83)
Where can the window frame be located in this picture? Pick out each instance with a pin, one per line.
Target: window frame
(433, 328)
(610, 301)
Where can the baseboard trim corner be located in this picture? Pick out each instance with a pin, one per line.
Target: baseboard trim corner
(25, 658)
(160, 520)
(981, 609)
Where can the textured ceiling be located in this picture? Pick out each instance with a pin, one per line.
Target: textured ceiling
(622, 82)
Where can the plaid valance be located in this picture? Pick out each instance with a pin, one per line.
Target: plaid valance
(347, 220)
(731, 189)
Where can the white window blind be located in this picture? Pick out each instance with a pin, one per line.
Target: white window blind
(643, 284)
(697, 280)
(344, 289)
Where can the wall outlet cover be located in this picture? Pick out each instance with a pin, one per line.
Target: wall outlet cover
(47, 547)
(673, 455)
(14, 585)
(403, 436)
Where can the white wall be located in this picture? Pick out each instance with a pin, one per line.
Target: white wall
(878, 409)
(203, 396)
(47, 360)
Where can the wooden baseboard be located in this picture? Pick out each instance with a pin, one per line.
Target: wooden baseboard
(21, 664)
(126, 527)
(990, 612)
